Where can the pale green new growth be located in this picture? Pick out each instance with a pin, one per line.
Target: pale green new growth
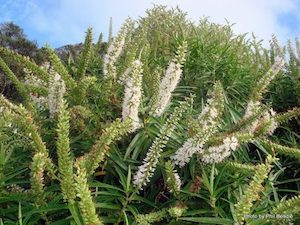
(150, 218)
(262, 84)
(80, 91)
(240, 167)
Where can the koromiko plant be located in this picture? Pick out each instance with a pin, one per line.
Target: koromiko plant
(118, 147)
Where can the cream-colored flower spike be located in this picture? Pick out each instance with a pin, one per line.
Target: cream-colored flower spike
(57, 89)
(133, 94)
(115, 50)
(169, 81)
(207, 123)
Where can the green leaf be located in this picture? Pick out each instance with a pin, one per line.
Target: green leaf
(74, 210)
(107, 186)
(128, 180)
(107, 205)
(211, 220)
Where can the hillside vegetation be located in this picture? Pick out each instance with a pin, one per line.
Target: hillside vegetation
(168, 122)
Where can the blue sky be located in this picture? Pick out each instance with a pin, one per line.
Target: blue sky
(60, 22)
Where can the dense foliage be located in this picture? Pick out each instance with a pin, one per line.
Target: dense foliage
(169, 122)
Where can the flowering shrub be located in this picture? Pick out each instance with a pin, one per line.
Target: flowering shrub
(140, 141)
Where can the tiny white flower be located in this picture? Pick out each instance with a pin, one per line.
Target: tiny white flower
(133, 94)
(213, 113)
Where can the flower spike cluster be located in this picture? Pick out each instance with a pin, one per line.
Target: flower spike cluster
(30, 80)
(146, 170)
(219, 153)
(56, 89)
(133, 94)
(205, 127)
(170, 81)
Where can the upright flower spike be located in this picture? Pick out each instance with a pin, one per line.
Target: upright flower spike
(100, 149)
(173, 179)
(262, 84)
(86, 204)
(259, 118)
(24, 119)
(59, 67)
(251, 193)
(52, 91)
(86, 54)
(146, 170)
(280, 149)
(37, 177)
(65, 160)
(114, 51)
(169, 81)
(19, 85)
(205, 126)
(254, 105)
(288, 206)
(133, 94)
(220, 147)
(57, 89)
(35, 84)
(26, 62)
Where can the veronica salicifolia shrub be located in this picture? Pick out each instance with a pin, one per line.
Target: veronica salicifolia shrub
(170, 124)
